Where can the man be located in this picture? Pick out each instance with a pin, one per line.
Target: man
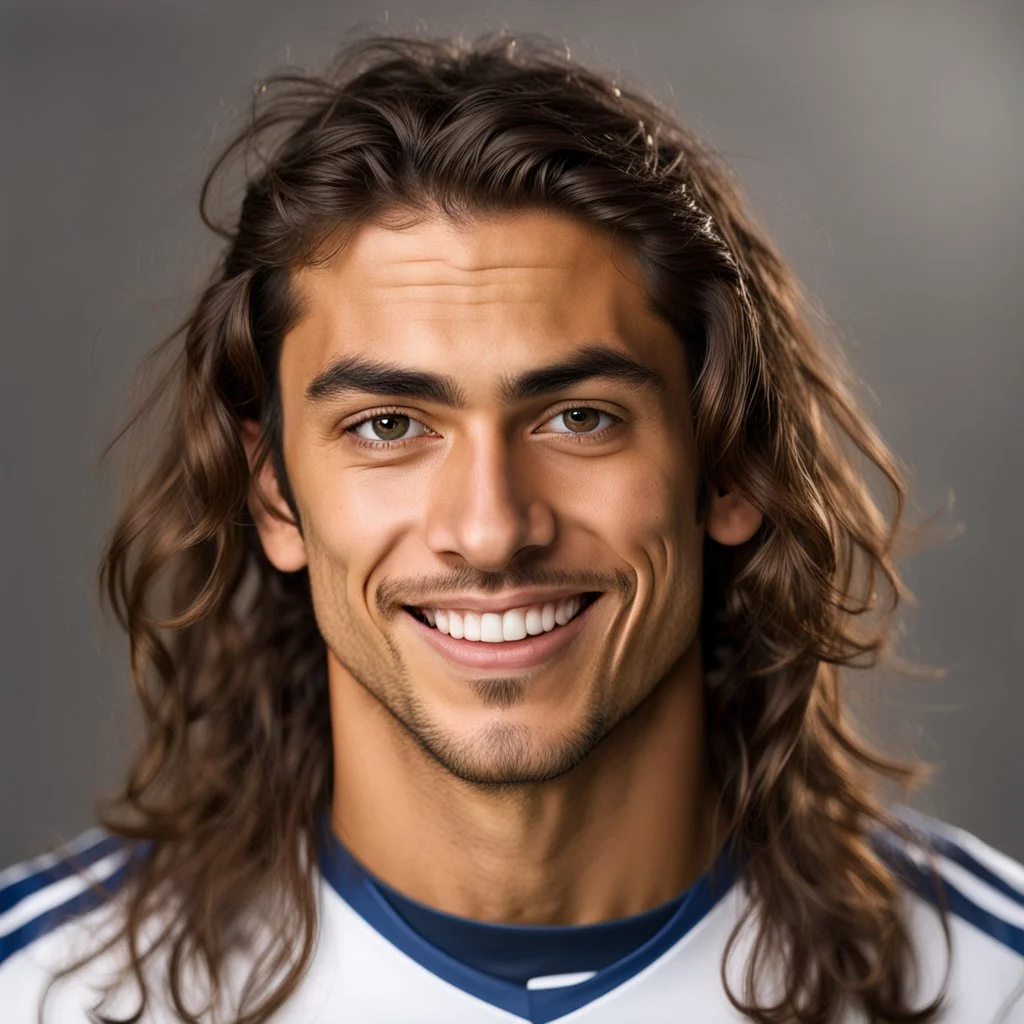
(488, 597)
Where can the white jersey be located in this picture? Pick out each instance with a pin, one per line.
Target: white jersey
(371, 967)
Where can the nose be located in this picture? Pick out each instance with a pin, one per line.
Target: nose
(484, 507)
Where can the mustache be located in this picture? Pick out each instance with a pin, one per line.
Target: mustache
(392, 594)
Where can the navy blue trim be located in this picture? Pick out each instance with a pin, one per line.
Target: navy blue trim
(701, 898)
(53, 918)
(15, 892)
(353, 883)
(950, 850)
(1002, 931)
(519, 952)
(940, 892)
(932, 832)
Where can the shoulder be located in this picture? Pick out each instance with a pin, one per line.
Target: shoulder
(981, 892)
(51, 909)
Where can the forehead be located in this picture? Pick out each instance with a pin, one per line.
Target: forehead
(509, 289)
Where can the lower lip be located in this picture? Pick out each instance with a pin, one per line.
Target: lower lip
(526, 653)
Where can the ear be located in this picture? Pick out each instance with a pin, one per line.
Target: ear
(731, 519)
(282, 542)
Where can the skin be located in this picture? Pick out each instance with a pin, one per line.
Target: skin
(536, 807)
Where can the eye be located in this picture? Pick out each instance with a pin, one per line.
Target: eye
(387, 427)
(581, 420)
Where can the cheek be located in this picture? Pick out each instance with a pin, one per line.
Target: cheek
(645, 516)
(352, 520)
(643, 508)
(344, 541)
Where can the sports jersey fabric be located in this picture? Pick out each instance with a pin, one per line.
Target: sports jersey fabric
(385, 960)
(525, 953)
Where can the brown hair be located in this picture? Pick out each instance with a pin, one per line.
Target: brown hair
(235, 768)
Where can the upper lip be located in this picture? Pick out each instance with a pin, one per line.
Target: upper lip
(501, 602)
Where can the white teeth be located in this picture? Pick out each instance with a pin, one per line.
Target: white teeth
(495, 628)
(566, 610)
(490, 628)
(547, 617)
(563, 612)
(534, 624)
(513, 625)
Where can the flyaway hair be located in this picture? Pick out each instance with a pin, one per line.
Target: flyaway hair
(235, 768)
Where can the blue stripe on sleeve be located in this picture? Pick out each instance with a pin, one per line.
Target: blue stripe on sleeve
(15, 892)
(984, 920)
(51, 919)
(953, 851)
(1002, 931)
(939, 891)
(942, 839)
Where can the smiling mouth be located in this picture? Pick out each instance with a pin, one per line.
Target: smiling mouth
(507, 627)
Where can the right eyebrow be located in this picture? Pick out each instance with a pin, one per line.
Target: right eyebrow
(353, 374)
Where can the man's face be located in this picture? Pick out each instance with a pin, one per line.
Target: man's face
(497, 498)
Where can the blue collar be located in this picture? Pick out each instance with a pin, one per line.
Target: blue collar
(365, 895)
(519, 953)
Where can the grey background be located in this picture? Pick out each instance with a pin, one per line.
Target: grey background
(881, 142)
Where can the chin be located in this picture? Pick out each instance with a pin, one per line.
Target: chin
(510, 754)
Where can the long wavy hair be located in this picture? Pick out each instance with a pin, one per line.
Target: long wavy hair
(234, 772)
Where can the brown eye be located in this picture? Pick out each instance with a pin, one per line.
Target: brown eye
(581, 421)
(390, 427)
(387, 428)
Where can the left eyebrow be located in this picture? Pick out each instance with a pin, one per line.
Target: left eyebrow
(591, 361)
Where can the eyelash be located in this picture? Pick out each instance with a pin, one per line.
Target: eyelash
(362, 442)
(350, 430)
(585, 438)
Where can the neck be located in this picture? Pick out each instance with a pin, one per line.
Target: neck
(564, 851)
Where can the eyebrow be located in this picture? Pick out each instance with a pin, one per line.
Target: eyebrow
(353, 374)
(591, 361)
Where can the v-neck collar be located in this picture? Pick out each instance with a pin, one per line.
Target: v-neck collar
(357, 887)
